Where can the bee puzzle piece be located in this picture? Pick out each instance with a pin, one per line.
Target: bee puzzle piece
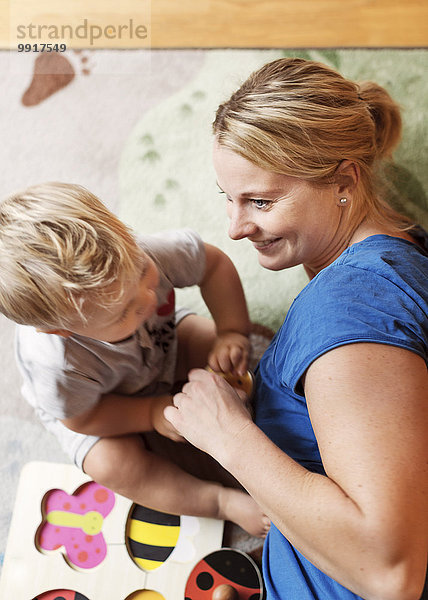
(61, 595)
(225, 574)
(75, 522)
(151, 536)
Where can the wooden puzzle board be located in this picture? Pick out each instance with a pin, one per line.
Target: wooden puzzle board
(28, 573)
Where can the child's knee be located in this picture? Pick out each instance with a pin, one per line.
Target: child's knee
(115, 462)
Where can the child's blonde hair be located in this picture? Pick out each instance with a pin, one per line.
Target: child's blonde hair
(60, 247)
(301, 118)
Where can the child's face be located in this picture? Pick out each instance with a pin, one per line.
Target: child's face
(138, 303)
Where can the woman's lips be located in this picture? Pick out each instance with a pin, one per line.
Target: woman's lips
(265, 245)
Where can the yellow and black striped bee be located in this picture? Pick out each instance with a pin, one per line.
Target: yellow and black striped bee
(151, 536)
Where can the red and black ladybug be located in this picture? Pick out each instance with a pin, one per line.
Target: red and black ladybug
(225, 569)
(61, 595)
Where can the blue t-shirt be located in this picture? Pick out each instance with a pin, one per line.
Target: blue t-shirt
(376, 291)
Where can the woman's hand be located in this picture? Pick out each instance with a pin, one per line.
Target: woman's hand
(209, 413)
(230, 353)
(159, 423)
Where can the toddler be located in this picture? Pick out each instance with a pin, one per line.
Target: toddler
(100, 342)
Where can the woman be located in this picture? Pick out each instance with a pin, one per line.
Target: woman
(337, 456)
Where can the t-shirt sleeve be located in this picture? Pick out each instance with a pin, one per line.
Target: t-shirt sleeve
(179, 253)
(51, 381)
(343, 305)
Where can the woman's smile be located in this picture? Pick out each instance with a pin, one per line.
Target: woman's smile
(266, 245)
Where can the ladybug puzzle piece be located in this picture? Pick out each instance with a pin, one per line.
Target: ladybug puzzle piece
(225, 575)
(75, 522)
(61, 595)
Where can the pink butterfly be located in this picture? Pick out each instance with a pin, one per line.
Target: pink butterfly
(75, 522)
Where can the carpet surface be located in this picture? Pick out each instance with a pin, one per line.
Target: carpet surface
(135, 128)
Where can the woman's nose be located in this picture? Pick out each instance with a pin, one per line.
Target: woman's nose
(239, 227)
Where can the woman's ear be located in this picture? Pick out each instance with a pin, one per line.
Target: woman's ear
(62, 332)
(346, 178)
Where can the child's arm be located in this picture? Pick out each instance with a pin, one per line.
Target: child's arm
(119, 415)
(222, 292)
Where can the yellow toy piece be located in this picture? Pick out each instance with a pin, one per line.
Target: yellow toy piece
(146, 595)
(151, 536)
(240, 382)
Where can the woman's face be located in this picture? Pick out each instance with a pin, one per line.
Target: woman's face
(288, 220)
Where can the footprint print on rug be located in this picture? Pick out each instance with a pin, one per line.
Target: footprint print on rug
(52, 72)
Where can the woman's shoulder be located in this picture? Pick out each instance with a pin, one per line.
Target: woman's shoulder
(397, 264)
(375, 292)
(377, 280)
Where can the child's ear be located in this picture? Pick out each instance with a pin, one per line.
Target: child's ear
(62, 332)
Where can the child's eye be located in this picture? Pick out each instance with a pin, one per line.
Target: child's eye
(123, 315)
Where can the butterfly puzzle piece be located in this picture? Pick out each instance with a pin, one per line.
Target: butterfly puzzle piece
(75, 523)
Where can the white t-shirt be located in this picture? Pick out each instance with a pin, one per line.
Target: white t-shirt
(64, 377)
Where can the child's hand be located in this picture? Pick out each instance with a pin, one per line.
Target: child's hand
(230, 353)
(160, 424)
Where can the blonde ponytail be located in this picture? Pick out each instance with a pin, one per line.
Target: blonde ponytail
(386, 116)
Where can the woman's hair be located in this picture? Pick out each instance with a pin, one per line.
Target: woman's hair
(61, 247)
(301, 118)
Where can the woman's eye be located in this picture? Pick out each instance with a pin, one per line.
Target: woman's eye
(259, 203)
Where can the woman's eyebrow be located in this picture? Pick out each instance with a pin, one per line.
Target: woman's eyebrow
(269, 193)
(274, 192)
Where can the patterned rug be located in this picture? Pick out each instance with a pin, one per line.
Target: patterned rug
(135, 128)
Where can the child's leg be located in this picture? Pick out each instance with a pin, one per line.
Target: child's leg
(196, 336)
(125, 466)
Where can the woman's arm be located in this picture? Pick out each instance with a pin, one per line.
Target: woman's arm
(222, 292)
(365, 525)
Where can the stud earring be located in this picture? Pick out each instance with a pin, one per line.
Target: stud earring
(343, 201)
